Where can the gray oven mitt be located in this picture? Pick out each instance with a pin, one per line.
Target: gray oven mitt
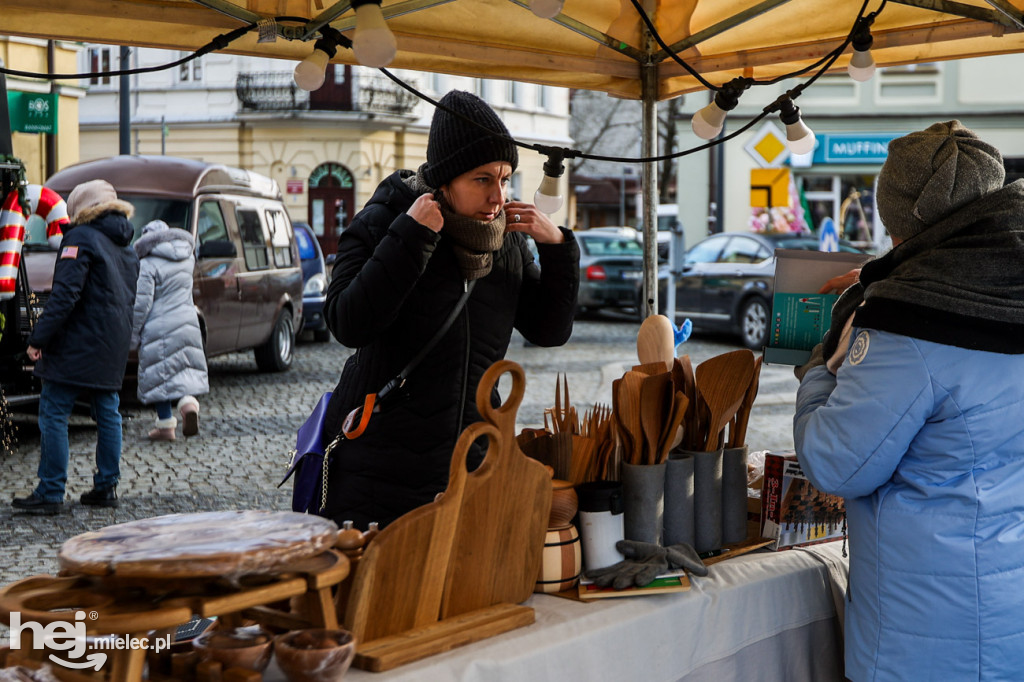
(644, 562)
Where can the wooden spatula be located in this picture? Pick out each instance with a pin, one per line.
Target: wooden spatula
(629, 413)
(739, 437)
(723, 382)
(655, 399)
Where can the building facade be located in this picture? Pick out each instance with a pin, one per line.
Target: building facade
(853, 123)
(36, 105)
(328, 149)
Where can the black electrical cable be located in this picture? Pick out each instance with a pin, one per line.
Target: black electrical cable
(218, 43)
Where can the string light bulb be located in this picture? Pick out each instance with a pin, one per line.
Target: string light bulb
(311, 71)
(798, 135)
(709, 121)
(862, 64)
(547, 9)
(548, 197)
(373, 42)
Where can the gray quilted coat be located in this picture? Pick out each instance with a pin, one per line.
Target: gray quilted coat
(165, 327)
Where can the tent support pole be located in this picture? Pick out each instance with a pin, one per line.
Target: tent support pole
(649, 184)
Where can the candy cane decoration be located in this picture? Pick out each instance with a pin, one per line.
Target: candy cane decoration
(43, 202)
(12, 237)
(49, 206)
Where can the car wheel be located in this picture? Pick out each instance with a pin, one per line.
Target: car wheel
(321, 335)
(754, 317)
(276, 354)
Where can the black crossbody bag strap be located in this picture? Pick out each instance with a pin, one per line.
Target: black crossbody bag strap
(356, 420)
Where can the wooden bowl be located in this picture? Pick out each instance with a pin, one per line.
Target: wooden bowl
(315, 655)
(247, 647)
(564, 503)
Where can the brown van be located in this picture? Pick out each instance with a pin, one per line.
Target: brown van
(248, 276)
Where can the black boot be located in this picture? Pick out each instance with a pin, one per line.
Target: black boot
(33, 504)
(101, 497)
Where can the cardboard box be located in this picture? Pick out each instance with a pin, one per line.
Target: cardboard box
(794, 512)
(800, 315)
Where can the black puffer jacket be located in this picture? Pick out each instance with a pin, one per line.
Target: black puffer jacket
(86, 325)
(394, 283)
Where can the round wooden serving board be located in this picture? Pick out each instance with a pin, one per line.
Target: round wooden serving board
(223, 543)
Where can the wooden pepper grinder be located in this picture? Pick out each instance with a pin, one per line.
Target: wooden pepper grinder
(350, 540)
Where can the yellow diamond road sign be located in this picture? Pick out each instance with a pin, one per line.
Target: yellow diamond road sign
(768, 146)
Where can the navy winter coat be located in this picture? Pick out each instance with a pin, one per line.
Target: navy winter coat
(86, 325)
(394, 283)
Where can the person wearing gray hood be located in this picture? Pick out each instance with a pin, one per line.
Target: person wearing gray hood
(165, 330)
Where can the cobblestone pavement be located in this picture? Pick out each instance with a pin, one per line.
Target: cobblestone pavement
(248, 425)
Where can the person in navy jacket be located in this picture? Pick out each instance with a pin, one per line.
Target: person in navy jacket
(921, 428)
(80, 343)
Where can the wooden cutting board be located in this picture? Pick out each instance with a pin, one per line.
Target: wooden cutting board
(504, 513)
(400, 579)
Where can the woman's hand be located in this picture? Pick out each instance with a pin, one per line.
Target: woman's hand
(427, 212)
(840, 283)
(523, 217)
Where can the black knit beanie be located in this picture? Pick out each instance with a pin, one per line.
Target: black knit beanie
(456, 146)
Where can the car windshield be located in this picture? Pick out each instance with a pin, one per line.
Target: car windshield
(306, 249)
(174, 212)
(611, 247)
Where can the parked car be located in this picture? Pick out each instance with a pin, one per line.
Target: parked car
(314, 282)
(248, 279)
(728, 280)
(611, 270)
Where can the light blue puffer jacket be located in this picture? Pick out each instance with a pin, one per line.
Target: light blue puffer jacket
(165, 325)
(926, 443)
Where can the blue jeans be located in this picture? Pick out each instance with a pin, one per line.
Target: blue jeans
(163, 409)
(55, 403)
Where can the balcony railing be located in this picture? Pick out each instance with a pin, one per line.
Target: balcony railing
(276, 91)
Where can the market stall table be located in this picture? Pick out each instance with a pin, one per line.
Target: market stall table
(762, 616)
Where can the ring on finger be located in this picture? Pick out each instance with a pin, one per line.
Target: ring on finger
(516, 218)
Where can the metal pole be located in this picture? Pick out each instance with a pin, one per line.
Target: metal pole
(649, 181)
(6, 138)
(622, 197)
(125, 120)
(51, 139)
(163, 135)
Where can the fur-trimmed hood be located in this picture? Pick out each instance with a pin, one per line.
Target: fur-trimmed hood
(179, 244)
(91, 213)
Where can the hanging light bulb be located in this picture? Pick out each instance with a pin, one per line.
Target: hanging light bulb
(798, 135)
(547, 9)
(310, 72)
(862, 64)
(373, 42)
(548, 197)
(709, 121)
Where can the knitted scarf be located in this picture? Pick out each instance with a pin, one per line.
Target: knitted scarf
(473, 241)
(958, 283)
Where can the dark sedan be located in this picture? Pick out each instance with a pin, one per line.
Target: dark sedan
(611, 271)
(314, 282)
(728, 280)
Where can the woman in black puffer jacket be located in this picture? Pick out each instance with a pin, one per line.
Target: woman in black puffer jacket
(402, 265)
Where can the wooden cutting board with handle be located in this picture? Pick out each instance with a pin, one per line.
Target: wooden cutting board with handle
(399, 581)
(504, 512)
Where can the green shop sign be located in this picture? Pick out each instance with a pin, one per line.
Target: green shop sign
(32, 112)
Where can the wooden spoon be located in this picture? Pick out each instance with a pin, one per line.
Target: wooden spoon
(672, 434)
(743, 414)
(655, 342)
(655, 397)
(723, 382)
(629, 413)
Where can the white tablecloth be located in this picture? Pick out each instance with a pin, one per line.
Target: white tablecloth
(763, 616)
